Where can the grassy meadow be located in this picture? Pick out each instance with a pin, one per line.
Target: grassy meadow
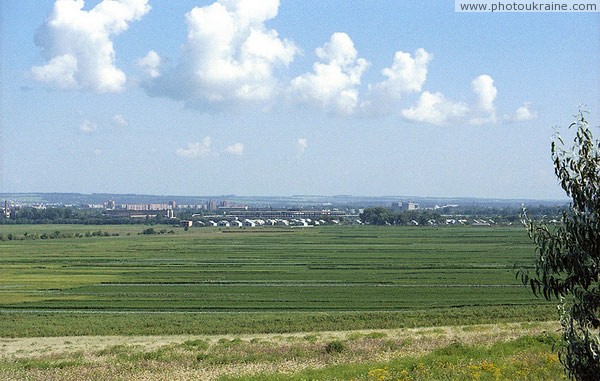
(335, 302)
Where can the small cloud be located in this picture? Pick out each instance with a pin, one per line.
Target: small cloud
(98, 152)
(236, 149)
(522, 114)
(87, 127)
(484, 87)
(150, 64)
(434, 108)
(302, 145)
(196, 150)
(119, 120)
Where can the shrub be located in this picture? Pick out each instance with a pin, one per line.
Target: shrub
(336, 346)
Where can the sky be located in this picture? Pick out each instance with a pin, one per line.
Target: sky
(286, 97)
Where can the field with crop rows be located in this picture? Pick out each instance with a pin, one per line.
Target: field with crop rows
(261, 280)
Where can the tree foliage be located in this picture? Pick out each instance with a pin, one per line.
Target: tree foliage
(567, 260)
(385, 216)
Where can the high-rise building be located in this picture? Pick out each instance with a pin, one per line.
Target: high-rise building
(212, 205)
(412, 206)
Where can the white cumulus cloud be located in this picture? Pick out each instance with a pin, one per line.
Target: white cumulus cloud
(229, 57)
(406, 75)
(60, 71)
(523, 114)
(484, 87)
(434, 108)
(77, 44)
(150, 64)
(334, 82)
(236, 149)
(196, 150)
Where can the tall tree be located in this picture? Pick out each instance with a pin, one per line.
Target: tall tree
(567, 261)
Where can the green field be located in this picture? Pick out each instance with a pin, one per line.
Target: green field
(261, 280)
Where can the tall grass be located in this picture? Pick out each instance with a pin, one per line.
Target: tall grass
(422, 354)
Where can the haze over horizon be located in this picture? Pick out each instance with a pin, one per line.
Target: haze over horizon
(94, 198)
(286, 97)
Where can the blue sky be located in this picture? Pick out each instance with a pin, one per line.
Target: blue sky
(289, 97)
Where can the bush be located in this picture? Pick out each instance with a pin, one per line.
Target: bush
(149, 231)
(336, 346)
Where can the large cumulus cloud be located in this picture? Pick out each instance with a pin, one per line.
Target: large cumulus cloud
(230, 56)
(334, 81)
(77, 44)
(231, 59)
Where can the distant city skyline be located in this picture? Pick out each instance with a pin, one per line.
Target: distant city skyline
(214, 202)
(286, 97)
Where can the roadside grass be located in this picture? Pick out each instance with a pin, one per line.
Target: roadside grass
(484, 352)
(525, 358)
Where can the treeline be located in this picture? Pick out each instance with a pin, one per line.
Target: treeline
(373, 216)
(385, 216)
(69, 215)
(55, 235)
(151, 231)
(508, 215)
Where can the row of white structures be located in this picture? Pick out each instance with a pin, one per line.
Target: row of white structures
(259, 222)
